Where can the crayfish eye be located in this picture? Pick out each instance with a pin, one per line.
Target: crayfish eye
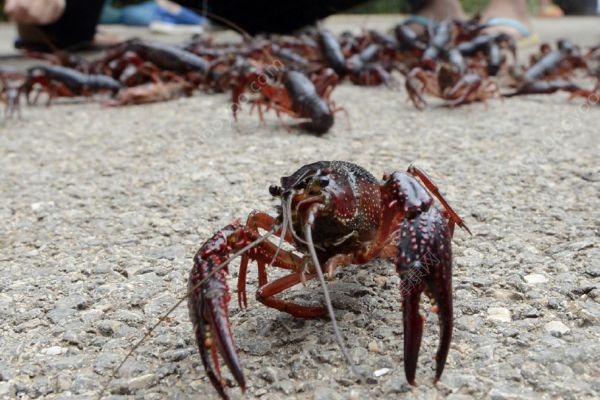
(323, 181)
(275, 190)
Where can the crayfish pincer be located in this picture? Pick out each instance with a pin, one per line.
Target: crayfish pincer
(332, 213)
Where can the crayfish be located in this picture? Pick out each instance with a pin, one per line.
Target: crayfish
(333, 213)
(549, 73)
(296, 95)
(447, 83)
(66, 82)
(9, 90)
(445, 71)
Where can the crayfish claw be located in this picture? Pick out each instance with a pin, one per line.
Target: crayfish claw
(413, 333)
(211, 366)
(207, 305)
(424, 263)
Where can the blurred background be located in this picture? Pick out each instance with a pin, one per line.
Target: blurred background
(588, 7)
(379, 6)
(401, 6)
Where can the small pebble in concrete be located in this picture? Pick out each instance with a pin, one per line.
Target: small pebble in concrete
(499, 314)
(534, 279)
(556, 328)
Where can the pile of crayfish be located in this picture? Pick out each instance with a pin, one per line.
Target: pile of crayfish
(457, 61)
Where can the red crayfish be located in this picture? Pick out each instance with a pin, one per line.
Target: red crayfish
(297, 95)
(66, 82)
(9, 90)
(333, 213)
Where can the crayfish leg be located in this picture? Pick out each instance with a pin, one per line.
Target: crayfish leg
(266, 295)
(417, 172)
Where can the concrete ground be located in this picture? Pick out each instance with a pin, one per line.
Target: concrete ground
(103, 209)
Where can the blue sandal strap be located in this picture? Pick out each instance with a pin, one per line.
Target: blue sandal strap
(420, 20)
(513, 23)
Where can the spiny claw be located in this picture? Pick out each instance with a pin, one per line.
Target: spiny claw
(208, 309)
(413, 332)
(215, 299)
(424, 263)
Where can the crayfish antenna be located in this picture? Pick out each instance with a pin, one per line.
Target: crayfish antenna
(317, 265)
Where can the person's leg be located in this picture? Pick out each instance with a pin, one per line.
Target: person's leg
(548, 9)
(509, 9)
(276, 16)
(438, 10)
(77, 25)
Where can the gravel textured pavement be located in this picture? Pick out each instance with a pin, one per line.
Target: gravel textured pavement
(103, 209)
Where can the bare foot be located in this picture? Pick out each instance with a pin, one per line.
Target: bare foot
(106, 39)
(439, 10)
(32, 35)
(508, 9)
(550, 10)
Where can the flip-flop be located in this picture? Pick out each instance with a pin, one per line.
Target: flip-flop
(183, 16)
(420, 20)
(527, 38)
